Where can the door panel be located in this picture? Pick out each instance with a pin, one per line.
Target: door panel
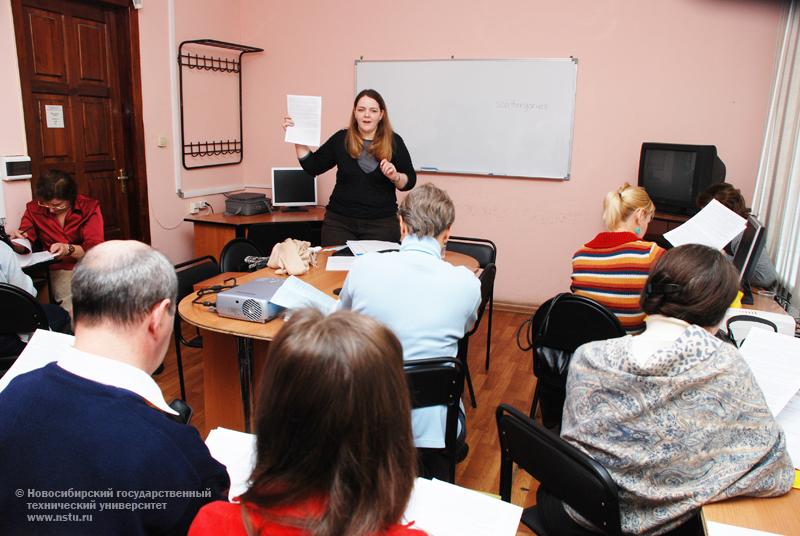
(47, 44)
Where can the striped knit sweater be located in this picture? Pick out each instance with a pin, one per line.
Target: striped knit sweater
(612, 270)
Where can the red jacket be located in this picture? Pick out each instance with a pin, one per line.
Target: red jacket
(83, 226)
(225, 519)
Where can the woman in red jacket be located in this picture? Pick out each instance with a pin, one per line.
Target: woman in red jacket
(335, 454)
(66, 224)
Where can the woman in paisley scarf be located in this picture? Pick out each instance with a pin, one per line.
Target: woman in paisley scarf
(674, 414)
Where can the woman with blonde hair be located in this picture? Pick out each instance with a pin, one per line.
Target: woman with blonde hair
(612, 268)
(372, 162)
(334, 450)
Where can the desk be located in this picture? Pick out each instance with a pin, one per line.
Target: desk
(213, 231)
(780, 515)
(226, 386)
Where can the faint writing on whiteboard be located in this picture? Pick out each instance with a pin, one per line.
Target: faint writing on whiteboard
(523, 106)
(55, 115)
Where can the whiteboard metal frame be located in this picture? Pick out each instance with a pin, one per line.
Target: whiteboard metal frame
(573, 59)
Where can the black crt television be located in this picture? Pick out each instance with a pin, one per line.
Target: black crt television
(747, 254)
(674, 175)
(293, 188)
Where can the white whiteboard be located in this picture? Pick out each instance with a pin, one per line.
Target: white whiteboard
(485, 117)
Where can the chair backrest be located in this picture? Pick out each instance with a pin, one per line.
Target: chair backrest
(437, 382)
(19, 311)
(487, 286)
(232, 257)
(482, 250)
(194, 271)
(564, 471)
(565, 322)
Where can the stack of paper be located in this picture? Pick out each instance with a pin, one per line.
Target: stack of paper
(720, 529)
(29, 259)
(43, 347)
(297, 294)
(443, 509)
(774, 359)
(236, 451)
(714, 226)
(360, 247)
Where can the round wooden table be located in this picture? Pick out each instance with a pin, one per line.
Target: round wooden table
(227, 387)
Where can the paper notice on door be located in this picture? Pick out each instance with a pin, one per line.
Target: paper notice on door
(55, 115)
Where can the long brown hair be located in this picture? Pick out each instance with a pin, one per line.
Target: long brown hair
(381, 146)
(334, 422)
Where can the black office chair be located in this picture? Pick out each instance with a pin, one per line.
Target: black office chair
(564, 471)
(19, 313)
(557, 329)
(487, 287)
(189, 274)
(231, 259)
(436, 382)
(266, 235)
(485, 252)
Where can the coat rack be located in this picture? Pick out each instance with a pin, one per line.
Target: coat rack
(188, 60)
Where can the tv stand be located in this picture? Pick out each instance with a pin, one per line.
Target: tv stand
(663, 222)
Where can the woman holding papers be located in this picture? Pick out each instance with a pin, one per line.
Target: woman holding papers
(674, 414)
(611, 268)
(334, 452)
(764, 275)
(372, 162)
(66, 223)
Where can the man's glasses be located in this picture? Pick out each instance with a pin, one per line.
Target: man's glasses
(53, 206)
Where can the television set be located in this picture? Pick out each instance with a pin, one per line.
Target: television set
(747, 254)
(293, 188)
(674, 175)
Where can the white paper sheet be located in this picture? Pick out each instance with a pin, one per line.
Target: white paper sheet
(774, 359)
(789, 419)
(439, 508)
(236, 451)
(443, 509)
(297, 294)
(29, 259)
(721, 529)
(339, 264)
(44, 347)
(360, 247)
(306, 112)
(714, 226)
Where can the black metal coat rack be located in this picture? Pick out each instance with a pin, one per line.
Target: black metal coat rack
(187, 60)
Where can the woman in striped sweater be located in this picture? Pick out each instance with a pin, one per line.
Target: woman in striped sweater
(612, 268)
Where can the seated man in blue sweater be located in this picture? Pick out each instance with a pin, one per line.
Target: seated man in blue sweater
(86, 443)
(427, 302)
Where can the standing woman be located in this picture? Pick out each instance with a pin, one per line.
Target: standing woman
(372, 162)
(66, 223)
(612, 268)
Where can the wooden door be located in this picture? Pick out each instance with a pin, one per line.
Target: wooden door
(75, 62)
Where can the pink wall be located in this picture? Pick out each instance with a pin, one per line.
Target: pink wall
(691, 71)
(12, 133)
(217, 19)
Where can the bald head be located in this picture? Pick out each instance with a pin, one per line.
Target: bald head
(120, 281)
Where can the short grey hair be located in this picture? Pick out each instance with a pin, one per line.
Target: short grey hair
(427, 211)
(120, 282)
